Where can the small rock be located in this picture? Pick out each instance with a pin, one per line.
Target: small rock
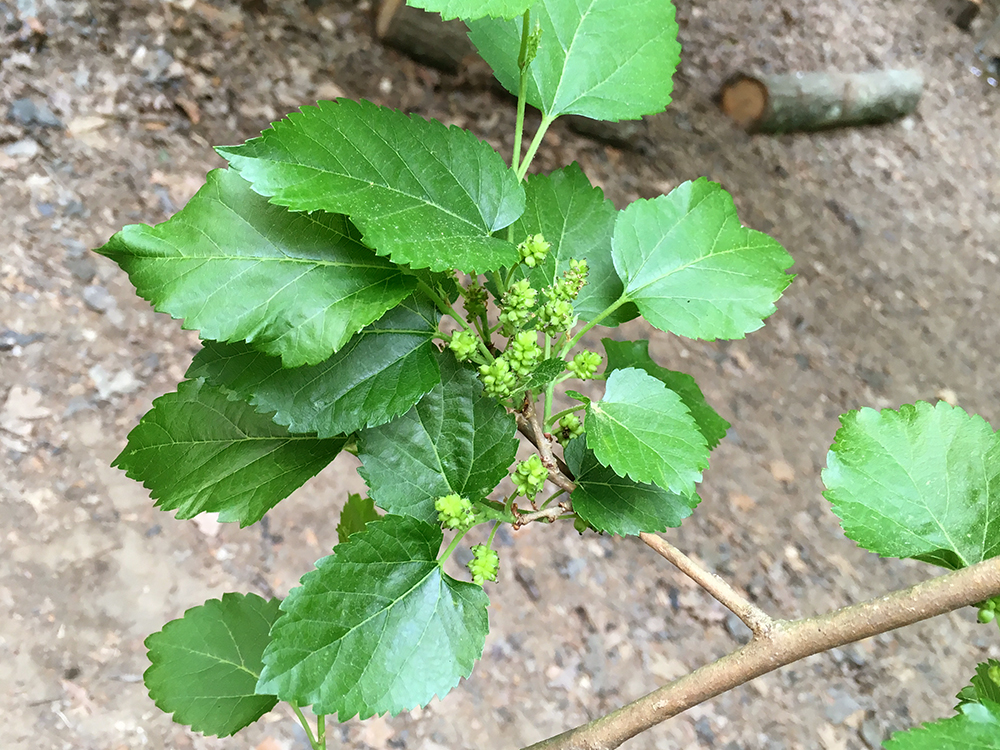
(26, 112)
(108, 385)
(738, 629)
(83, 269)
(871, 734)
(74, 248)
(782, 472)
(74, 208)
(26, 148)
(843, 705)
(75, 406)
(98, 299)
(703, 729)
(9, 339)
(526, 577)
(22, 407)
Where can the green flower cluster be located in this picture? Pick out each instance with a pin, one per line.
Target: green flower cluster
(533, 250)
(570, 427)
(475, 299)
(523, 353)
(498, 380)
(556, 315)
(463, 344)
(529, 477)
(484, 565)
(517, 306)
(455, 512)
(585, 364)
(988, 610)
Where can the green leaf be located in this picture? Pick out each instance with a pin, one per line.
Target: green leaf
(618, 505)
(377, 627)
(378, 375)
(984, 687)
(197, 451)
(917, 483)
(357, 512)
(603, 59)
(544, 373)
(577, 221)
(622, 354)
(693, 269)
(977, 727)
(469, 10)
(455, 440)
(205, 665)
(236, 268)
(644, 431)
(421, 193)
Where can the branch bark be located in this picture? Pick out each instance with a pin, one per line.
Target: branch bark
(759, 622)
(787, 642)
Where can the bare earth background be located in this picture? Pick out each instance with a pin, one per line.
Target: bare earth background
(108, 120)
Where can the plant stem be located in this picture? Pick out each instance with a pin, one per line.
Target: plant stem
(550, 514)
(451, 547)
(535, 143)
(550, 388)
(787, 642)
(515, 159)
(321, 731)
(604, 313)
(559, 473)
(753, 616)
(556, 417)
(442, 304)
(309, 733)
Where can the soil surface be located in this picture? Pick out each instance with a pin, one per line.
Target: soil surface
(108, 109)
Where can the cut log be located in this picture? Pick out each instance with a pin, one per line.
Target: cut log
(423, 36)
(816, 101)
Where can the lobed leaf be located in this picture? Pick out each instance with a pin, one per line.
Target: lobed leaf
(197, 451)
(205, 665)
(378, 375)
(578, 222)
(618, 505)
(922, 482)
(984, 686)
(642, 430)
(693, 269)
(455, 440)
(424, 194)
(623, 354)
(377, 627)
(603, 59)
(357, 512)
(469, 10)
(976, 727)
(236, 268)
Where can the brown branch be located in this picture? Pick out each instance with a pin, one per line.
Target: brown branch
(786, 643)
(559, 473)
(549, 514)
(759, 622)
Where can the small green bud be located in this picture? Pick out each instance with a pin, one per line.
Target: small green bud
(524, 353)
(475, 299)
(533, 250)
(529, 477)
(455, 512)
(580, 525)
(517, 305)
(498, 380)
(986, 615)
(570, 427)
(484, 565)
(556, 316)
(463, 344)
(568, 287)
(585, 364)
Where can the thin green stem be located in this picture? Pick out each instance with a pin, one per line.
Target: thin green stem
(552, 497)
(493, 533)
(309, 733)
(550, 388)
(321, 731)
(497, 276)
(451, 547)
(535, 143)
(442, 304)
(556, 417)
(604, 313)
(522, 87)
(508, 504)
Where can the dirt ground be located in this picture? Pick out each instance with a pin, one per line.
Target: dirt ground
(107, 112)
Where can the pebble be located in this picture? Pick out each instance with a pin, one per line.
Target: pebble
(83, 269)
(26, 148)
(871, 734)
(703, 728)
(27, 112)
(9, 339)
(108, 385)
(98, 299)
(843, 705)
